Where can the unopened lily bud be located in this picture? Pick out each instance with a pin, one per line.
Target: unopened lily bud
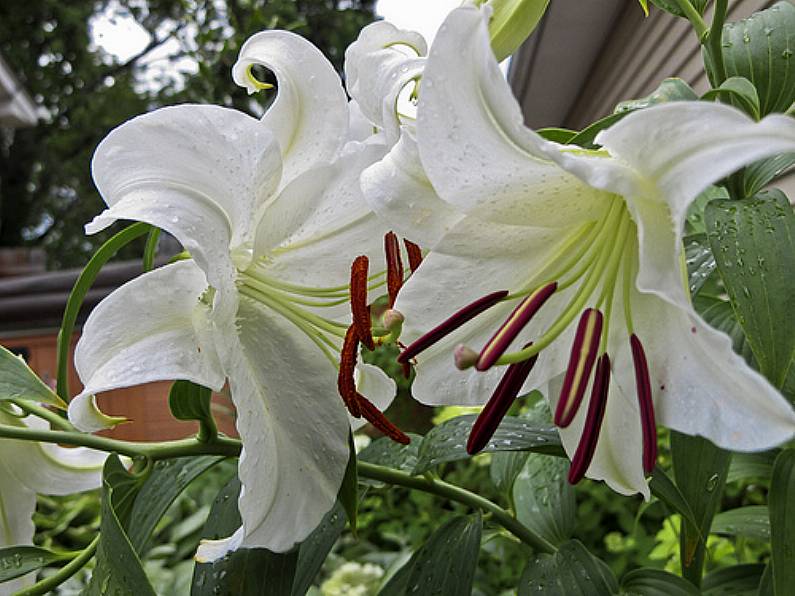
(465, 357)
(392, 320)
(512, 21)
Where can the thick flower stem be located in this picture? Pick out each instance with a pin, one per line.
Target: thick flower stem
(694, 17)
(715, 42)
(64, 573)
(455, 493)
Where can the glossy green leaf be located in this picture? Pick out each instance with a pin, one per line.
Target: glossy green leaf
(16, 561)
(512, 21)
(586, 137)
(749, 522)
(349, 490)
(700, 261)
(781, 501)
(245, 572)
(167, 480)
(386, 452)
(760, 49)
(672, 89)
(558, 135)
(738, 580)
(18, 381)
(118, 569)
(694, 222)
(571, 570)
(505, 467)
(443, 566)
(761, 173)
(700, 470)
(189, 401)
(656, 582)
(739, 92)
(315, 549)
(754, 246)
(756, 466)
(663, 488)
(544, 499)
(447, 442)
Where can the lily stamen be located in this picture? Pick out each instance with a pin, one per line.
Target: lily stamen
(414, 253)
(360, 311)
(375, 417)
(643, 389)
(593, 421)
(394, 267)
(581, 361)
(346, 382)
(470, 311)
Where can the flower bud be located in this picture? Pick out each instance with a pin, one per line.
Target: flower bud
(512, 21)
(465, 357)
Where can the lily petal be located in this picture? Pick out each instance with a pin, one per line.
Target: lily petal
(152, 328)
(294, 430)
(375, 385)
(17, 504)
(473, 143)
(198, 172)
(309, 116)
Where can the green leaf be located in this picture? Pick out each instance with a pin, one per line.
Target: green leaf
(557, 135)
(244, 572)
(663, 488)
(586, 137)
(18, 381)
(443, 566)
(781, 501)
(720, 315)
(752, 465)
(694, 224)
(512, 21)
(656, 582)
(315, 549)
(505, 467)
(760, 49)
(740, 92)
(16, 561)
(753, 242)
(700, 470)
(189, 401)
(766, 582)
(349, 490)
(672, 89)
(672, 7)
(386, 452)
(544, 499)
(447, 442)
(571, 570)
(737, 580)
(167, 480)
(118, 569)
(760, 173)
(751, 522)
(700, 261)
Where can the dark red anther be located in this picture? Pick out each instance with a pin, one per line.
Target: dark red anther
(415, 254)
(643, 388)
(470, 311)
(514, 324)
(346, 381)
(394, 267)
(360, 312)
(375, 417)
(581, 361)
(593, 421)
(498, 405)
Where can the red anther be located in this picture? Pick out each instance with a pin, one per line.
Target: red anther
(470, 311)
(593, 421)
(360, 312)
(346, 381)
(375, 417)
(517, 321)
(498, 405)
(643, 387)
(394, 267)
(415, 254)
(581, 361)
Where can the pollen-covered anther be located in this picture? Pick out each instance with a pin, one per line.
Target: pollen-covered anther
(394, 267)
(346, 380)
(645, 403)
(498, 405)
(360, 312)
(593, 421)
(375, 417)
(470, 311)
(513, 325)
(465, 357)
(581, 361)
(414, 253)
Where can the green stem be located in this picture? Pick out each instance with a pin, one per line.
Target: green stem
(715, 42)
(455, 493)
(64, 573)
(45, 414)
(695, 19)
(84, 281)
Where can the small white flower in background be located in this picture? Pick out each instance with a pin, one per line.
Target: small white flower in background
(578, 252)
(27, 468)
(272, 216)
(353, 579)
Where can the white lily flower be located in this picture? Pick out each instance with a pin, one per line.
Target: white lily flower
(28, 468)
(272, 221)
(532, 229)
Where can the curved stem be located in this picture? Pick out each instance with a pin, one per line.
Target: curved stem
(715, 42)
(455, 493)
(63, 574)
(44, 413)
(695, 19)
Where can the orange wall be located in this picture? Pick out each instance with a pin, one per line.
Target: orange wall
(145, 405)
